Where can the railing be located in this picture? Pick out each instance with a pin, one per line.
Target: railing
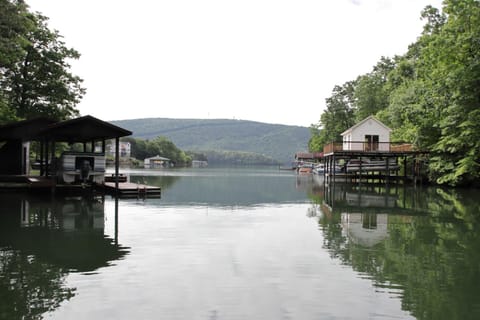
(367, 147)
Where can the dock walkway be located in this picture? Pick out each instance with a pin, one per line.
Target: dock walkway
(129, 189)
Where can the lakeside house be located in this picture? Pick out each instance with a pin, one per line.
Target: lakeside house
(125, 148)
(370, 134)
(310, 157)
(157, 162)
(199, 164)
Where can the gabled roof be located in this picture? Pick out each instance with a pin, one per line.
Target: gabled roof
(364, 121)
(158, 158)
(83, 129)
(308, 155)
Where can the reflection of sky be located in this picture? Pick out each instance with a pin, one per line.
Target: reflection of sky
(223, 187)
(224, 263)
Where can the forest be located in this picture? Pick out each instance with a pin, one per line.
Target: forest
(429, 96)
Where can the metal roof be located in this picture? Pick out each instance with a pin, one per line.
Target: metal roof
(83, 129)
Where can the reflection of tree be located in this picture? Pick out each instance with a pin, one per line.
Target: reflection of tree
(29, 287)
(434, 259)
(42, 239)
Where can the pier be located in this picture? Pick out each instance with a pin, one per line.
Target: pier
(129, 190)
(379, 162)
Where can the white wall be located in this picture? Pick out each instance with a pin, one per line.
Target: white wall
(370, 127)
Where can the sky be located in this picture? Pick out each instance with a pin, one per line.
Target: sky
(273, 61)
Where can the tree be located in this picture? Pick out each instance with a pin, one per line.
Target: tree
(34, 73)
(371, 93)
(451, 70)
(338, 116)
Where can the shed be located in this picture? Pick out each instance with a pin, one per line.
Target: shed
(369, 134)
(308, 156)
(157, 162)
(15, 144)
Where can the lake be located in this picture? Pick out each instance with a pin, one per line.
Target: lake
(242, 243)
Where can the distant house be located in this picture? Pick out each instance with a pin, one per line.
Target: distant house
(308, 156)
(199, 164)
(125, 149)
(157, 162)
(368, 135)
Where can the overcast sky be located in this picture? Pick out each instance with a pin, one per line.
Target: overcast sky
(272, 61)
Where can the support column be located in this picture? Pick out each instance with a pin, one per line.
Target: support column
(42, 162)
(333, 171)
(117, 162)
(47, 166)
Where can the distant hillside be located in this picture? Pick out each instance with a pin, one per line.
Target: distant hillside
(279, 142)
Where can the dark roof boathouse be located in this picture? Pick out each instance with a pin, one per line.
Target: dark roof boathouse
(15, 141)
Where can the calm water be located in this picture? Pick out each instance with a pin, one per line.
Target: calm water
(242, 244)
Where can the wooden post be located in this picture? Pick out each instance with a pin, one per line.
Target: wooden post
(46, 159)
(42, 164)
(52, 161)
(117, 162)
(387, 178)
(116, 220)
(333, 171)
(360, 172)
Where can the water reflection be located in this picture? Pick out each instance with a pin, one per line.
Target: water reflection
(42, 240)
(223, 187)
(421, 244)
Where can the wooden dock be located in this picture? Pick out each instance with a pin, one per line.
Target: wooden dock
(129, 189)
(34, 183)
(22, 182)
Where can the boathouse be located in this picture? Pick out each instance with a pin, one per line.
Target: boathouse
(157, 162)
(91, 133)
(368, 135)
(366, 153)
(15, 144)
(314, 157)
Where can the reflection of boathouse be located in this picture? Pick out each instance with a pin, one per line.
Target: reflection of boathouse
(366, 229)
(67, 232)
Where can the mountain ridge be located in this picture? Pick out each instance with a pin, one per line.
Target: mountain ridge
(277, 141)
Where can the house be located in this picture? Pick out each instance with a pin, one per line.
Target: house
(368, 135)
(308, 157)
(157, 162)
(199, 164)
(125, 149)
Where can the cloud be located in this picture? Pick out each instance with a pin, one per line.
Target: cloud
(355, 2)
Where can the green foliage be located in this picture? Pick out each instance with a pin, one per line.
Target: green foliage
(272, 141)
(428, 97)
(370, 92)
(237, 158)
(432, 258)
(338, 116)
(34, 69)
(159, 146)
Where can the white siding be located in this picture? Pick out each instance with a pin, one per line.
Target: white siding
(369, 127)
